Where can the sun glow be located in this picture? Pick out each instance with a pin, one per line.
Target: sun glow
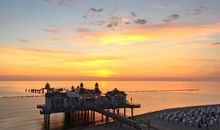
(109, 40)
(101, 73)
(98, 62)
(123, 39)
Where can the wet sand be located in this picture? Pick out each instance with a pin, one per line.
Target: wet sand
(162, 124)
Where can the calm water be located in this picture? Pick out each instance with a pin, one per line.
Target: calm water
(21, 113)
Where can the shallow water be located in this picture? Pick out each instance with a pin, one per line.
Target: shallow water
(21, 113)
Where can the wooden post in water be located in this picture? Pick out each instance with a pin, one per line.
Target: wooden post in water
(47, 121)
(78, 113)
(102, 117)
(120, 124)
(114, 112)
(132, 112)
(80, 117)
(118, 111)
(70, 117)
(93, 116)
(106, 121)
(85, 118)
(67, 117)
(124, 111)
(73, 117)
(89, 115)
(44, 119)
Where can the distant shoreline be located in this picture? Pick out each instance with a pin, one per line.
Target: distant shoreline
(121, 80)
(22, 96)
(165, 90)
(168, 90)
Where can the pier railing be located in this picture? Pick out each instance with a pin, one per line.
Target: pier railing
(137, 124)
(122, 119)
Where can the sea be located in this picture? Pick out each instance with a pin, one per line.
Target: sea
(18, 112)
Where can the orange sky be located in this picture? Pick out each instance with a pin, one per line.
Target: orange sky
(129, 48)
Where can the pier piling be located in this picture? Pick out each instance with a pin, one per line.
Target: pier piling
(132, 112)
(47, 121)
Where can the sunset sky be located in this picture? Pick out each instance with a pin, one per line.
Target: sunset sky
(109, 40)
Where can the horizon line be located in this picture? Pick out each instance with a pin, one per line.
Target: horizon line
(179, 80)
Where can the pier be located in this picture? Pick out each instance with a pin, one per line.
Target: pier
(81, 104)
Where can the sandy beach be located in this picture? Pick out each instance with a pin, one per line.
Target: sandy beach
(162, 124)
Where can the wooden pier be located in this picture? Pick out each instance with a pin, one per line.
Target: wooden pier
(80, 105)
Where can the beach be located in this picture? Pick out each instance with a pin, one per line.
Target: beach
(161, 124)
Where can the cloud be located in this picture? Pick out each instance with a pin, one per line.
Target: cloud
(38, 50)
(197, 11)
(83, 30)
(68, 57)
(65, 2)
(109, 25)
(84, 16)
(125, 21)
(114, 11)
(23, 40)
(96, 10)
(93, 13)
(46, 1)
(115, 21)
(215, 44)
(133, 14)
(41, 40)
(112, 21)
(98, 22)
(37, 59)
(60, 2)
(49, 40)
(152, 33)
(200, 60)
(171, 18)
(52, 30)
(140, 21)
(93, 62)
(156, 6)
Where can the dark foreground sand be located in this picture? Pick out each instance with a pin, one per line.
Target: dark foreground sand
(164, 125)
